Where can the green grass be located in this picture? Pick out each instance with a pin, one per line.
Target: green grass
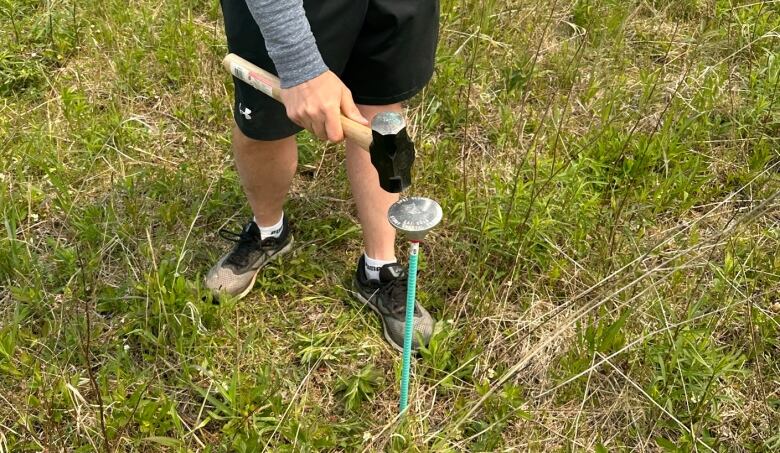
(607, 272)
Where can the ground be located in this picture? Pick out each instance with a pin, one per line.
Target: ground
(606, 276)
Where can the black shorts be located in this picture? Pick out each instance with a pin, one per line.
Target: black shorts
(383, 50)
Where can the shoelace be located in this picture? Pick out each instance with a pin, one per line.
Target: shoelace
(395, 293)
(245, 241)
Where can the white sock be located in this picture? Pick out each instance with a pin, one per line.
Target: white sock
(372, 266)
(273, 231)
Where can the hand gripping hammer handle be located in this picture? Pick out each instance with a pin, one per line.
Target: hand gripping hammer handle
(269, 84)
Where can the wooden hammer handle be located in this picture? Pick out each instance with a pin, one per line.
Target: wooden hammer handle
(269, 84)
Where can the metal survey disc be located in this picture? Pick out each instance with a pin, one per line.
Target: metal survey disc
(414, 216)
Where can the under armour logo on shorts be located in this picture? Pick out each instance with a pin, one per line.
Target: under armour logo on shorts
(247, 112)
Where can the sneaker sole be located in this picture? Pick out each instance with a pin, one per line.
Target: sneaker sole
(366, 302)
(276, 255)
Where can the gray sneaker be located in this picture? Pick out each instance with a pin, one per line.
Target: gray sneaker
(387, 297)
(235, 273)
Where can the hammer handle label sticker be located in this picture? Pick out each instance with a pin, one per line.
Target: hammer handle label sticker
(252, 78)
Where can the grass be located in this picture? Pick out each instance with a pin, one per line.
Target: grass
(607, 274)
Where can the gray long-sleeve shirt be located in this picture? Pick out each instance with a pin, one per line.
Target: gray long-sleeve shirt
(289, 39)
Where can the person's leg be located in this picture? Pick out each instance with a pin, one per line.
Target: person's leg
(266, 169)
(379, 239)
(371, 200)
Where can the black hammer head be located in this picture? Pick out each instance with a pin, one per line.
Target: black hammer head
(392, 151)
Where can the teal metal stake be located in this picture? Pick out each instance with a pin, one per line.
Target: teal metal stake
(413, 217)
(411, 293)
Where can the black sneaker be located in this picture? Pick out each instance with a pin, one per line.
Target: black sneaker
(235, 273)
(387, 297)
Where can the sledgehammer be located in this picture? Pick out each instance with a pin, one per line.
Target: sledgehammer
(391, 149)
